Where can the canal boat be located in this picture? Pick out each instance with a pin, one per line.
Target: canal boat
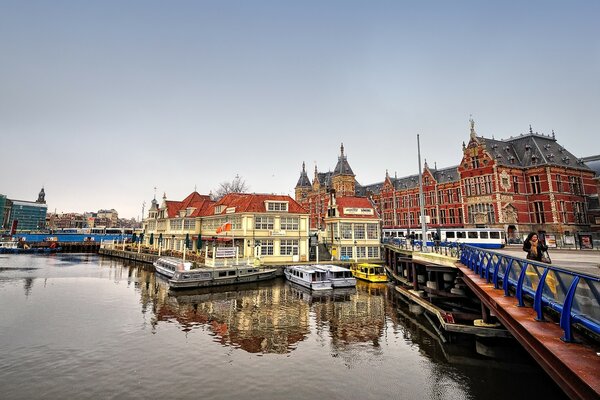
(308, 276)
(337, 275)
(369, 272)
(217, 276)
(167, 266)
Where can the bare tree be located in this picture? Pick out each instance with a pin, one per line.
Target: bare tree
(237, 185)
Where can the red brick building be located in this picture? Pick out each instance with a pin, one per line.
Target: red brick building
(521, 184)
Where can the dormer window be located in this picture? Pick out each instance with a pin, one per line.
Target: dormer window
(219, 209)
(527, 147)
(277, 206)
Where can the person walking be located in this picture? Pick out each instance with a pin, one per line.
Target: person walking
(536, 250)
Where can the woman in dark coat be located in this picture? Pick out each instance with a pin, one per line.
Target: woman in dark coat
(534, 247)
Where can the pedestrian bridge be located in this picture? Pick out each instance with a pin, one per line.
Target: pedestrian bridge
(554, 312)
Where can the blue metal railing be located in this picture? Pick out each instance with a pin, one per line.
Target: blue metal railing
(574, 295)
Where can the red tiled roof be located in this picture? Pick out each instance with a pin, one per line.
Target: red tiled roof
(354, 202)
(252, 202)
(173, 208)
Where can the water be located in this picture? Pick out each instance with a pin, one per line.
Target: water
(86, 327)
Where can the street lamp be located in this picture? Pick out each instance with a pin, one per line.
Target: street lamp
(355, 252)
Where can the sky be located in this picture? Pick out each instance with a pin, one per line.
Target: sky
(106, 104)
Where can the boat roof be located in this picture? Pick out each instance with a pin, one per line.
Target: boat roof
(305, 268)
(331, 267)
(174, 260)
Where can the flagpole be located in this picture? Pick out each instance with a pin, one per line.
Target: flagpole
(422, 202)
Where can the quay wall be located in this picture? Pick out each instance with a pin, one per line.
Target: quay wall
(129, 255)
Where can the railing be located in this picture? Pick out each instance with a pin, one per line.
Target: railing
(575, 296)
(449, 249)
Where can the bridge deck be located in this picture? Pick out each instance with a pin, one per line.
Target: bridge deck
(573, 366)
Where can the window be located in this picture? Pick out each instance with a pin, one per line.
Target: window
(443, 217)
(558, 183)
(359, 231)
(450, 235)
(452, 219)
(372, 231)
(535, 184)
(461, 235)
(539, 216)
(346, 229)
(266, 247)
(472, 235)
(175, 224)
(563, 212)
(476, 210)
(290, 224)
(373, 252)
(515, 184)
(361, 252)
(494, 235)
(575, 185)
(277, 206)
(263, 223)
(346, 251)
(483, 235)
(189, 223)
(288, 248)
(578, 211)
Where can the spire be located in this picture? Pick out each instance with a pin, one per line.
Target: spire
(530, 130)
(553, 135)
(342, 167)
(41, 196)
(387, 175)
(303, 181)
(342, 149)
(426, 166)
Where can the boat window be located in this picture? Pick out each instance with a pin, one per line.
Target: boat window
(461, 235)
(483, 235)
(472, 235)
(495, 235)
(222, 273)
(450, 235)
(231, 273)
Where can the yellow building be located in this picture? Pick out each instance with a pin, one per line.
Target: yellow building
(273, 228)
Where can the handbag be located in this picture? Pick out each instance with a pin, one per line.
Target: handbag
(546, 257)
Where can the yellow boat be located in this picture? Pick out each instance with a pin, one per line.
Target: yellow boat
(369, 272)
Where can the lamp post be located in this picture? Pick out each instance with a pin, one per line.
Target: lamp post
(355, 252)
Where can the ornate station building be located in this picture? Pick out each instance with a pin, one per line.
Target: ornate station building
(521, 184)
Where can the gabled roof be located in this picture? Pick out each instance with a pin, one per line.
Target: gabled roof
(173, 208)
(255, 203)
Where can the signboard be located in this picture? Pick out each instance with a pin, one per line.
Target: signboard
(230, 210)
(225, 252)
(569, 240)
(585, 242)
(427, 219)
(277, 233)
(358, 211)
(551, 240)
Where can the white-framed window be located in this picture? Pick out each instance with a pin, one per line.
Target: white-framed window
(289, 223)
(277, 206)
(176, 224)
(359, 231)
(346, 229)
(266, 247)
(263, 222)
(373, 231)
(189, 223)
(288, 247)
(346, 251)
(373, 251)
(361, 252)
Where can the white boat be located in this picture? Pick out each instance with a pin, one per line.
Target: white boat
(339, 276)
(308, 276)
(217, 276)
(167, 266)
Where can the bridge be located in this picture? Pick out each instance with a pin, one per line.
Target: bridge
(552, 311)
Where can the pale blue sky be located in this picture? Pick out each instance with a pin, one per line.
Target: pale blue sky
(100, 102)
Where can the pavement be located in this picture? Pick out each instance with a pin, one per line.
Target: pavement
(584, 261)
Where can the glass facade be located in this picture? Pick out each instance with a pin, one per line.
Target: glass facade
(31, 216)
(2, 211)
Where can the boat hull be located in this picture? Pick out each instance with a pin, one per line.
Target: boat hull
(207, 277)
(313, 285)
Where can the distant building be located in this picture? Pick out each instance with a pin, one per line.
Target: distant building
(3, 211)
(29, 215)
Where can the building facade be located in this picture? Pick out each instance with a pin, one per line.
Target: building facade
(26, 215)
(521, 184)
(272, 228)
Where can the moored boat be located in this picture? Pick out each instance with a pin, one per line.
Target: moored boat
(308, 276)
(167, 266)
(339, 276)
(217, 276)
(369, 272)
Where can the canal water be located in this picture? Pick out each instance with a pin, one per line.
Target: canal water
(86, 327)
